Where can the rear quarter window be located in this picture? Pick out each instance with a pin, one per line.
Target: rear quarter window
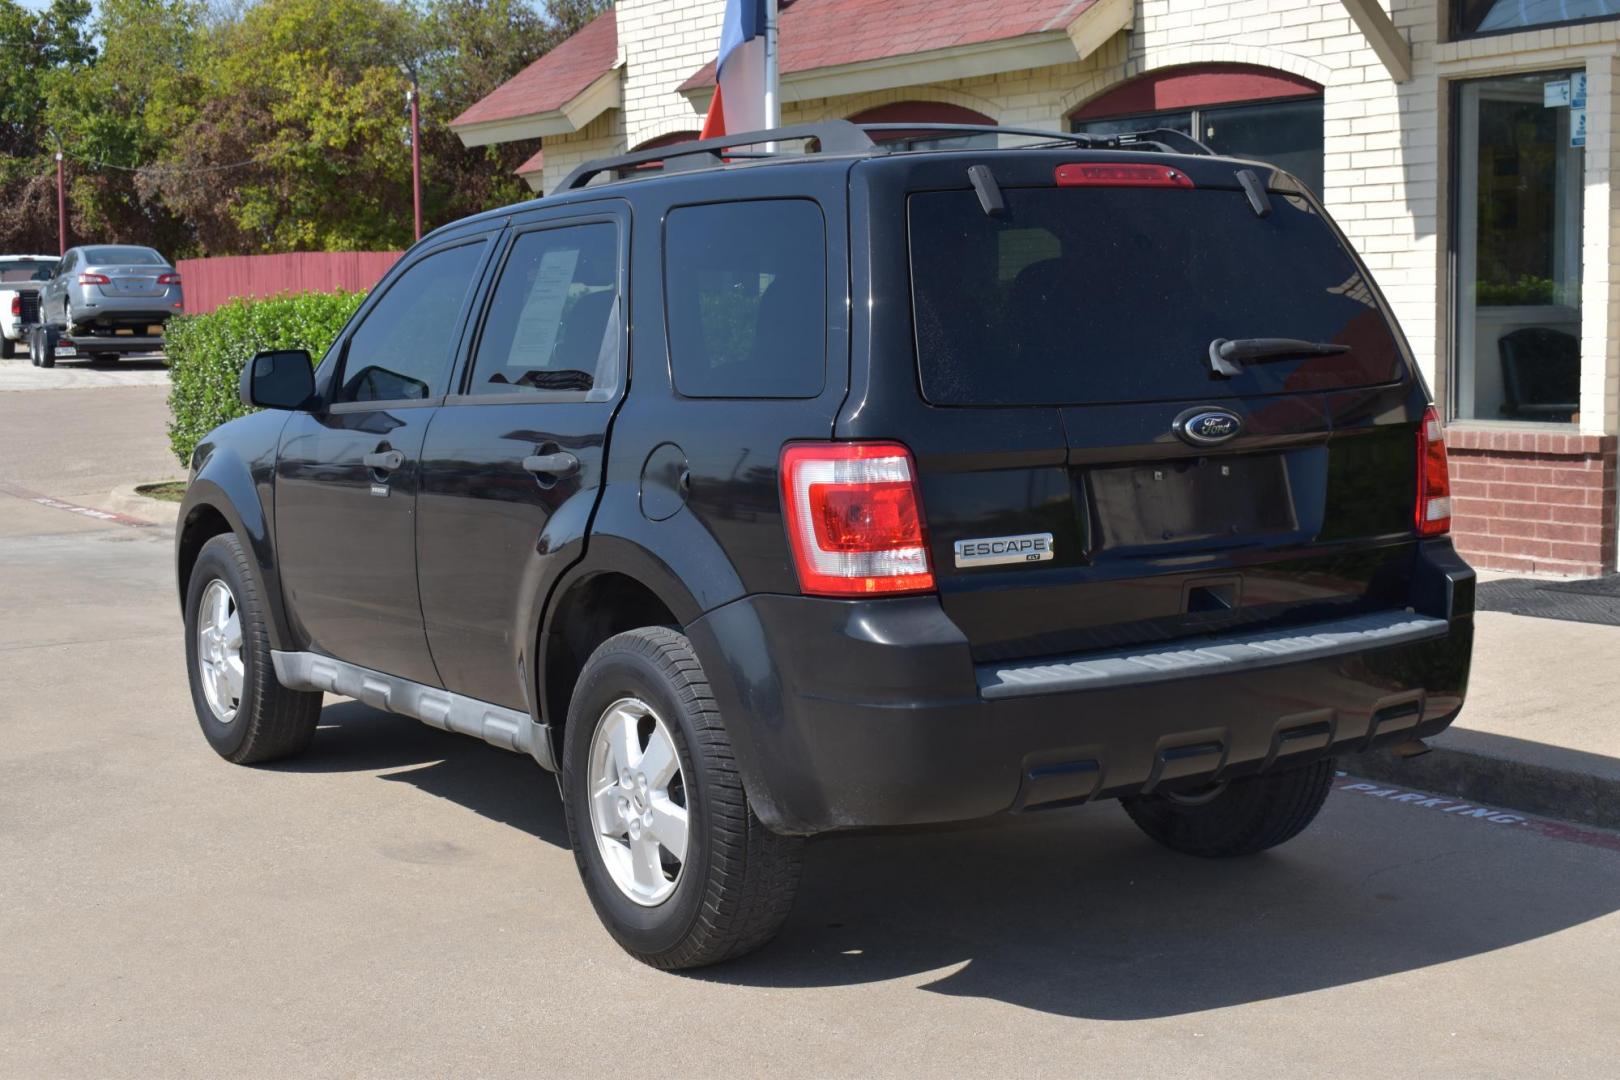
(746, 298)
(1108, 295)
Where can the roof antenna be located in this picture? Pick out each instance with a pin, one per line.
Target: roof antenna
(985, 187)
(1256, 191)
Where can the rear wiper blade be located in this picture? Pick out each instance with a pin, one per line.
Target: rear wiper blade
(1227, 357)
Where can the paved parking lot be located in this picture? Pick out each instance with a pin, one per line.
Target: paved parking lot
(401, 901)
(83, 374)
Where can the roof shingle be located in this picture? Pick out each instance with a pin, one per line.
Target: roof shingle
(553, 80)
(829, 33)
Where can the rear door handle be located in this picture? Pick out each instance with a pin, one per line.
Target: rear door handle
(562, 463)
(384, 460)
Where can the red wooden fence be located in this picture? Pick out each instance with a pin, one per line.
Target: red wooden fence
(208, 283)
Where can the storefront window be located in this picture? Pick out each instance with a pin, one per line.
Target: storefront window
(1519, 164)
(1470, 17)
(1287, 134)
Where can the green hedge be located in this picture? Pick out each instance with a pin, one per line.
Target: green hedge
(207, 354)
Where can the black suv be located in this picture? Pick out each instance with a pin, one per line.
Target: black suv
(764, 495)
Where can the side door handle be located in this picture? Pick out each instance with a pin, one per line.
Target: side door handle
(384, 460)
(562, 463)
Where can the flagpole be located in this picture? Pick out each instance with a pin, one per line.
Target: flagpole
(773, 97)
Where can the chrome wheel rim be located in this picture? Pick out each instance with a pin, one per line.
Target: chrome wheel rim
(638, 801)
(219, 651)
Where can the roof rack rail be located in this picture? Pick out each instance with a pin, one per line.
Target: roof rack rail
(1169, 138)
(843, 137)
(1165, 138)
(835, 136)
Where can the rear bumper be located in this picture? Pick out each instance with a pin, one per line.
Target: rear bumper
(872, 713)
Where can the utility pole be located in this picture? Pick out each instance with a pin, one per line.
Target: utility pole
(61, 201)
(412, 97)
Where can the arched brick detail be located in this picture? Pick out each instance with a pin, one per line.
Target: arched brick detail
(666, 127)
(840, 107)
(669, 138)
(1221, 53)
(1193, 86)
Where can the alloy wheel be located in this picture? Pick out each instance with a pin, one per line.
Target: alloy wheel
(219, 650)
(638, 801)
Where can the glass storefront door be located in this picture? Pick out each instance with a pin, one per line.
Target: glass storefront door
(1518, 190)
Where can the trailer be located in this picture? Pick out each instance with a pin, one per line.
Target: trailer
(50, 342)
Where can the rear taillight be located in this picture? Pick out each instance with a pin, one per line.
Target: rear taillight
(1433, 481)
(853, 519)
(168, 279)
(1120, 175)
(94, 279)
(16, 305)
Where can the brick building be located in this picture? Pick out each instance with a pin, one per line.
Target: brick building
(1466, 146)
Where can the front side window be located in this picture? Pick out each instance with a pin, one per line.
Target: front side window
(746, 290)
(401, 351)
(553, 323)
(1519, 180)
(1471, 17)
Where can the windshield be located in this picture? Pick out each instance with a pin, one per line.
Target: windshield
(123, 256)
(26, 269)
(1110, 294)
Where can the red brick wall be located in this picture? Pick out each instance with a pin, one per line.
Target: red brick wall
(1533, 502)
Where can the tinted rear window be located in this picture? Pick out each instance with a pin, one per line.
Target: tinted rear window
(123, 256)
(1079, 295)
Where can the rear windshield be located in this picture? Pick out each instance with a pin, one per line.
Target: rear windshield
(25, 269)
(1079, 295)
(124, 256)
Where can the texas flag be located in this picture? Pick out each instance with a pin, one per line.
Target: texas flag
(739, 92)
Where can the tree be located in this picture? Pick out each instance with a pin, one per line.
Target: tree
(247, 126)
(36, 46)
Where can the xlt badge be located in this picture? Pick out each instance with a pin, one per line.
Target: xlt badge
(996, 550)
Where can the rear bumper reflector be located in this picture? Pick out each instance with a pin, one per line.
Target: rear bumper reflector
(1208, 656)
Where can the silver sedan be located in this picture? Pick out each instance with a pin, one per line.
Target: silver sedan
(106, 288)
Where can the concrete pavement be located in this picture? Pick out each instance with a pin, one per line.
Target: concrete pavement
(83, 374)
(400, 901)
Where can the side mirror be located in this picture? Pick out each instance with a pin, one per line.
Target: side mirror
(284, 379)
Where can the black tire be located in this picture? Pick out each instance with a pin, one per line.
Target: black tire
(270, 721)
(1246, 816)
(738, 880)
(8, 348)
(47, 347)
(33, 347)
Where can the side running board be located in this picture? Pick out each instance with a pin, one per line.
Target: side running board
(509, 729)
(1207, 656)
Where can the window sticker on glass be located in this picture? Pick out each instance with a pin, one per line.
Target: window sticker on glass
(1577, 127)
(542, 311)
(1577, 90)
(1555, 95)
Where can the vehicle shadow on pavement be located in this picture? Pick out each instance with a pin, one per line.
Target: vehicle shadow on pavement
(498, 784)
(1076, 913)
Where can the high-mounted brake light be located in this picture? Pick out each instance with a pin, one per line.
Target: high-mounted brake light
(854, 520)
(94, 279)
(168, 279)
(1124, 174)
(1433, 511)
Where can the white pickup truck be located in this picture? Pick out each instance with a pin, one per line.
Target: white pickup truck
(21, 278)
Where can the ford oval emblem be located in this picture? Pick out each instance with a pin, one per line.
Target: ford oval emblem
(1207, 426)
